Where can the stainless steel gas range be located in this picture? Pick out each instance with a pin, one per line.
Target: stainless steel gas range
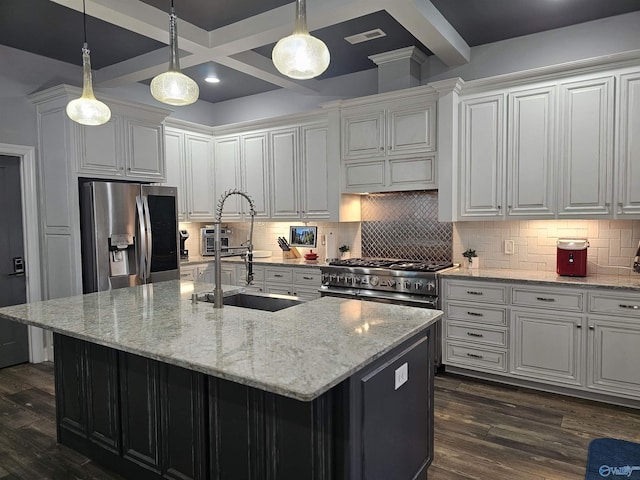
(402, 282)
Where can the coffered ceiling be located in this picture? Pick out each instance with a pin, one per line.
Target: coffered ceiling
(232, 39)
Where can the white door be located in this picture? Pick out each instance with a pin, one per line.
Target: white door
(285, 201)
(14, 346)
(201, 198)
(316, 184)
(629, 151)
(255, 171)
(227, 175)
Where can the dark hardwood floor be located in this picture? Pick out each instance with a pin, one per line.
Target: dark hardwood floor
(482, 431)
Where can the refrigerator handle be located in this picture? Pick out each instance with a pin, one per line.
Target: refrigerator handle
(147, 217)
(142, 240)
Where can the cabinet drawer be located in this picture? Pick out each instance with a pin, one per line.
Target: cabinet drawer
(279, 289)
(545, 298)
(482, 314)
(475, 292)
(481, 335)
(626, 304)
(281, 275)
(306, 294)
(480, 358)
(307, 277)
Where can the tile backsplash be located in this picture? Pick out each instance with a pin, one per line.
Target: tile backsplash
(613, 243)
(266, 233)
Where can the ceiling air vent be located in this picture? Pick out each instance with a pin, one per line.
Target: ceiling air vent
(365, 36)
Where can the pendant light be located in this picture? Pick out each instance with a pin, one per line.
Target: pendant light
(86, 110)
(174, 87)
(300, 55)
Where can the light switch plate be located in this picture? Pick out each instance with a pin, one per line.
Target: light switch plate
(402, 375)
(508, 247)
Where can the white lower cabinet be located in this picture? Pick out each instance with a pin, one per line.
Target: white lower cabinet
(547, 346)
(300, 282)
(583, 340)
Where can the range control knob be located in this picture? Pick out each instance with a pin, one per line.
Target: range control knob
(356, 280)
(391, 282)
(374, 281)
(431, 286)
(418, 286)
(407, 284)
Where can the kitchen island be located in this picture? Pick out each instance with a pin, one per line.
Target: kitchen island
(155, 386)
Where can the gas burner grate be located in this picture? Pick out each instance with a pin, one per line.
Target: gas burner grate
(392, 264)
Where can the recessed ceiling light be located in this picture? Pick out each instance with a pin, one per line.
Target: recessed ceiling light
(212, 80)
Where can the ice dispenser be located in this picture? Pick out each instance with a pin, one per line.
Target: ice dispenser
(121, 254)
(572, 257)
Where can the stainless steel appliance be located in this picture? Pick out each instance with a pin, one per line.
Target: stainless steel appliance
(129, 234)
(208, 240)
(402, 282)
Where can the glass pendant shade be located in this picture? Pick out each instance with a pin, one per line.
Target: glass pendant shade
(174, 87)
(87, 110)
(300, 55)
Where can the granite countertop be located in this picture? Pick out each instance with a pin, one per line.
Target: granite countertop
(620, 282)
(300, 352)
(274, 260)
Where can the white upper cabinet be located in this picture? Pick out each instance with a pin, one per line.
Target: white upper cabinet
(389, 128)
(123, 148)
(389, 142)
(317, 188)
(531, 153)
(628, 162)
(482, 150)
(190, 169)
(227, 175)
(586, 147)
(285, 175)
(255, 172)
(551, 158)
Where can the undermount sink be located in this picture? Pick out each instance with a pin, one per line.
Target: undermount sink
(268, 302)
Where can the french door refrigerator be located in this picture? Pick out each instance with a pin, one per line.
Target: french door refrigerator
(129, 234)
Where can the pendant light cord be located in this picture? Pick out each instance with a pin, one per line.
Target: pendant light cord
(84, 20)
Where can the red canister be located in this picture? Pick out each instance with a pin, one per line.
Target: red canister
(571, 257)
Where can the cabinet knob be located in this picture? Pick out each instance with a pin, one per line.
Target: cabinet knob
(591, 327)
(381, 149)
(499, 207)
(390, 148)
(579, 326)
(129, 168)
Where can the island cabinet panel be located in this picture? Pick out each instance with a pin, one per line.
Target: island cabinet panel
(103, 414)
(70, 391)
(391, 417)
(256, 435)
(139, 397)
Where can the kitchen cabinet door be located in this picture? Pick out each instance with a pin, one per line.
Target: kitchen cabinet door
(200, 193)
(255, 173)
(144, 155)
(628, 195)
(482, 157)
(614, 356)
(285, 200)
(531, 153)
(363, 133)
(547, 347)
(586, 147)
(411, 129)
(176, 168)
(317, 188)
(101, 150)
(227, 175)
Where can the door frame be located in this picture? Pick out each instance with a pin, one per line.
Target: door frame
(38, 352)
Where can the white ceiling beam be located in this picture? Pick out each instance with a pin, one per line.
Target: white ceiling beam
(427, 24)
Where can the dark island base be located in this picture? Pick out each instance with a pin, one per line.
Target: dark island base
(150, 420)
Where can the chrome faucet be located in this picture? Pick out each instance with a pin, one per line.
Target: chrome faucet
(248, 255)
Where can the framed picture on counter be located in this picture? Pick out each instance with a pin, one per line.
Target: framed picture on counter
(303, 236)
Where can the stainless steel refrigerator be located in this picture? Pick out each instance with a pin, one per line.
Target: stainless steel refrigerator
(129, 234)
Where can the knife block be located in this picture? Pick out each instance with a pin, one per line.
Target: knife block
(293, 253)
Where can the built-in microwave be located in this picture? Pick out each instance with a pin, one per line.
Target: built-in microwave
(208, 240)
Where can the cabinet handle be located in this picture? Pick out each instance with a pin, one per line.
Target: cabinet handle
(474, 355)
(471, 292)
(578, 326)
(631, 307)
(499, 207)
(472, 334)
(307, 278)
(277, 275)
(475, 314)
(591, 327)
(129, 168)
(381, 149)
(545, 299)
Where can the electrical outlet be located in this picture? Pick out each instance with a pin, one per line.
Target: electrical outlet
(508, 247)
(402, 375)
